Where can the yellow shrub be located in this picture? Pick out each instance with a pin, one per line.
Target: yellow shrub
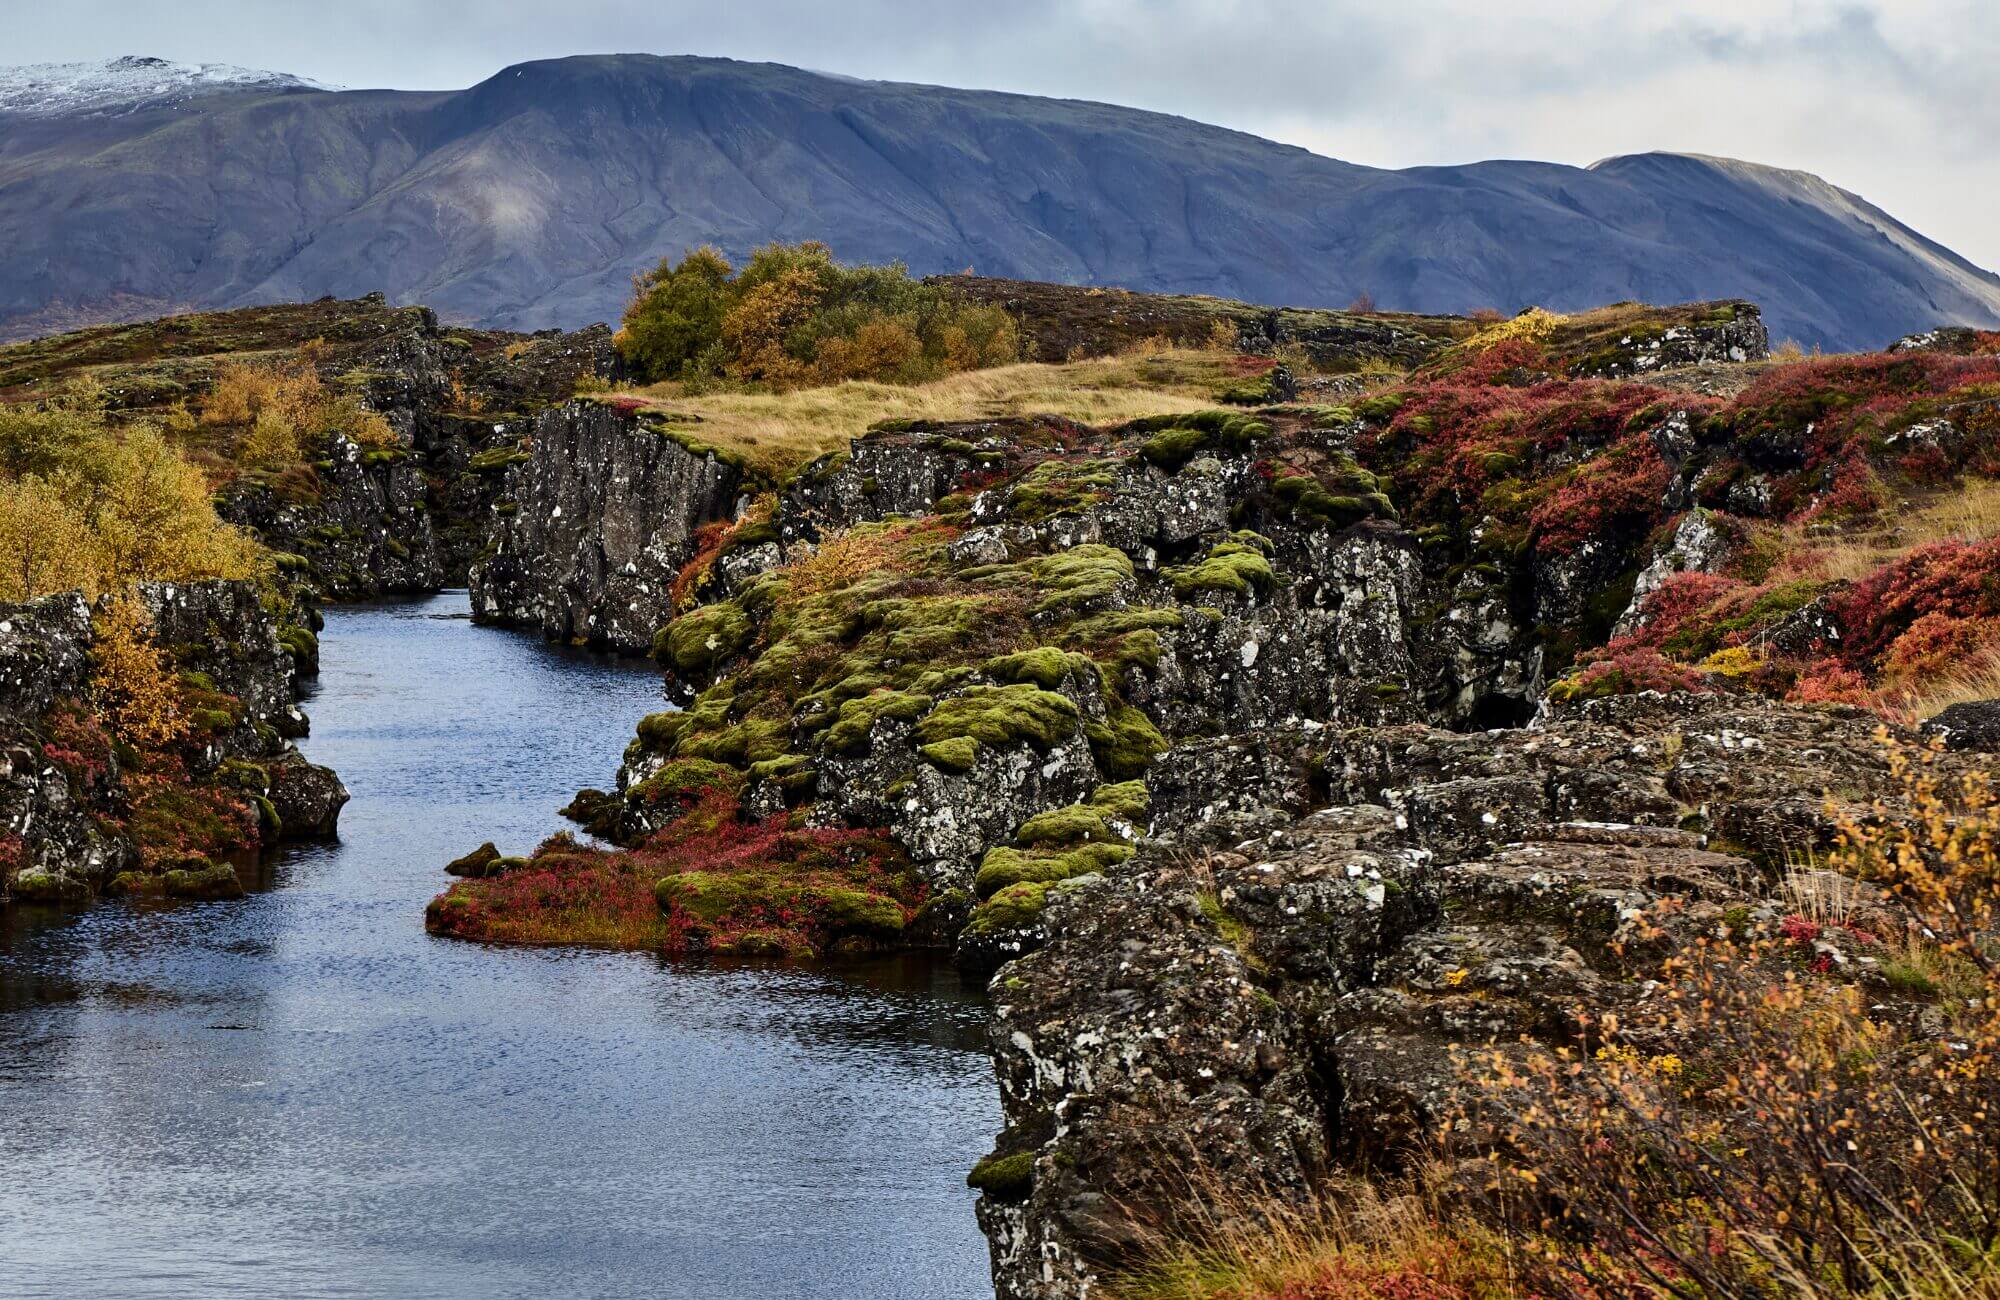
(133, 680)
(45, 544)
(1534, 325)
(153, 517)
(280, 407)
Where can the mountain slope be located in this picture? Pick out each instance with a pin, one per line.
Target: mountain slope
(530, 199)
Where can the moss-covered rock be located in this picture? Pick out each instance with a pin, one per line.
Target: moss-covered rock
(1076, 824)
(1007, 1178)
(684, 782)
(1002, 715)
(1235, 567)
(700, 639)
(1125, 743)
(1045, 666)
(200, 878)
(477, 863)
(1004, 867)
(1126, 801)
(957, 754)
(858, 717)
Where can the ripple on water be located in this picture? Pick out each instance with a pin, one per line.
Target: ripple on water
(302, 1093)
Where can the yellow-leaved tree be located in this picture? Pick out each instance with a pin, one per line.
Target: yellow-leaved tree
(45, 545)
(85, 506)
(133, 682)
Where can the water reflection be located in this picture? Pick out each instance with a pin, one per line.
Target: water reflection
(301, 1093)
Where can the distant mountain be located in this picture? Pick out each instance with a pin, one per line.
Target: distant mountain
(129, 84)
(530, 199)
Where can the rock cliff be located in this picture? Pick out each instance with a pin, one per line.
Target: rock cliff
(596, 520)
(83, 812)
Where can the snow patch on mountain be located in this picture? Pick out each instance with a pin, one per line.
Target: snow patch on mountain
(128, 84)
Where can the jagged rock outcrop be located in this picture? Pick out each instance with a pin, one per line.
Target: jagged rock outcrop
(1735, 333)
(1276, 984)
(595, 525)
(365, 530)
(77, 818)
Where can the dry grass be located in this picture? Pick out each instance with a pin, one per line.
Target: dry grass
(1824, 897)
(778, 432)
(1354, 1240)
(1970, 513)
(1978, 680)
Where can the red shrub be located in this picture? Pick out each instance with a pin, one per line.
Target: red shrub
(1830, 683)
(1620, 490)
(1953, 580)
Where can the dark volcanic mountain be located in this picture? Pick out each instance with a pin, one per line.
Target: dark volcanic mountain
(530, 199)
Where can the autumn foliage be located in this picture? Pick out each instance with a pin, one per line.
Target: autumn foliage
(132, 680)
(86, 506)
(1810, 1108)
(794, 317)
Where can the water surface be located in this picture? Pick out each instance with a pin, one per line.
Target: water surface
(300, 1093)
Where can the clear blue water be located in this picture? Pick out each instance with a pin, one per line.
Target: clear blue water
(300, 1093)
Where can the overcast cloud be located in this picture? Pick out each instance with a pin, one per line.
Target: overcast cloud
(1893, 99)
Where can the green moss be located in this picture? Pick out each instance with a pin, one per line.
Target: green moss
(1128, 801)
(1013, 907)
(299, 641)
(1076, 824)
(702, 638)
(243, 775)
(1125, 743)
(495, 459)
(1002, 715)
(1004, 868)
(1080, 574)
(1004, 1178)
(791, 772)
(1045, 666)
(1343, 495)
(200, 878)
(1172, 448)
(716, 897)
(1232, 567)
(659, 731)
(1233, 932)
(858, 717)
(683, 782)
(212, 720)
(955, 755)
(1058, 486)
(752, 740)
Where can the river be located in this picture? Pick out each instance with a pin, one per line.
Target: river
(300, 1093)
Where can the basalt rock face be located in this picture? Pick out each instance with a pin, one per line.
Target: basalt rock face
(47, 832)
(79, 815)
(1741, 337)
(1275, 986)
(594, 526)
(369, 532)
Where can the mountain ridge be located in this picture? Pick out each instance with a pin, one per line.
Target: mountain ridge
(529, 199)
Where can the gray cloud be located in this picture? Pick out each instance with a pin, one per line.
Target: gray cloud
(1889, 98)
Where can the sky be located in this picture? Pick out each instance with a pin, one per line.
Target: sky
(1892, 99)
